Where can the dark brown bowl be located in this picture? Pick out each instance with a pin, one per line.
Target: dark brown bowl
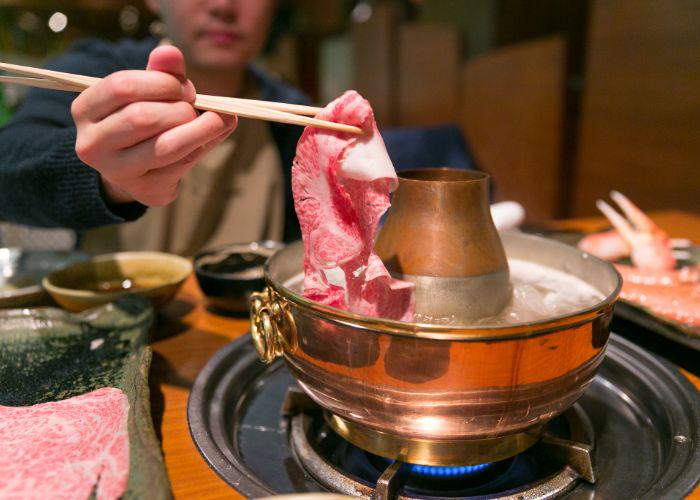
(229, 274)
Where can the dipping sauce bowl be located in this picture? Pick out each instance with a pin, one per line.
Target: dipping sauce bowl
(229, 274)
(154, 275)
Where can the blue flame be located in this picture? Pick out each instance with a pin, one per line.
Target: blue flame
(447, 471)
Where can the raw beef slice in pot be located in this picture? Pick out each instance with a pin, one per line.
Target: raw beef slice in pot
(341, 185)
(66, 449)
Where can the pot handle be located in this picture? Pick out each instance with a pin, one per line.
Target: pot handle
(271, 325)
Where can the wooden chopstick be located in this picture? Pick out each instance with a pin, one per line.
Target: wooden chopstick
(41, 83)
(297, 109)
(57, 76)
(247, 108)
(253, 111)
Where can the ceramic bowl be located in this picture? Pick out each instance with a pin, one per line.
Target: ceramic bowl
(21, 272)
(229, 274)
(153, 275)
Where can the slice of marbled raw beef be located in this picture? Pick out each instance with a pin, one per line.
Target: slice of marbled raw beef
(341, 184)
(66, 449)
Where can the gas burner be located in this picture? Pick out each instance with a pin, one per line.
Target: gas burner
(263, 436)
(448, 471)
(550, 467)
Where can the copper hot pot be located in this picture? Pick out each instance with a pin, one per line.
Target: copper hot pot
(436, 394)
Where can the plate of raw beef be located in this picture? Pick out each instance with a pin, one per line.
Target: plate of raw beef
(75, 417)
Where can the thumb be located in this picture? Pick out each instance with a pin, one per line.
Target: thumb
(169, 59)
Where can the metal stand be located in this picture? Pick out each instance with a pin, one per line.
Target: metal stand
(575, 456)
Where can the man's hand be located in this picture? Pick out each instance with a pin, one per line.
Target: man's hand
(138, 129)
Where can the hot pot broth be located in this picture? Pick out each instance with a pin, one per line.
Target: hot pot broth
(539, 293)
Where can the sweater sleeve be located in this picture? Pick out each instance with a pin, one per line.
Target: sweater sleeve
(42, 180)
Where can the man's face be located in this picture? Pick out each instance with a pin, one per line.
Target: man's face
(217, 34)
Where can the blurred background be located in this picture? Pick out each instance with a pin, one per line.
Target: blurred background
(560, 100)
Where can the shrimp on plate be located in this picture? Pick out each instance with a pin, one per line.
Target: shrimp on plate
(636, 236)
(649, 245)
(608, 245)
(653, 280)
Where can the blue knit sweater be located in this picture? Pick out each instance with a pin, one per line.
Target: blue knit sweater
(44, 183)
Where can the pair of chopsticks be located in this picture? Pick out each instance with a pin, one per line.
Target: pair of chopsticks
(295, 114)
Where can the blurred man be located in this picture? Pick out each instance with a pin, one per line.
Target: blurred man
(132, 140)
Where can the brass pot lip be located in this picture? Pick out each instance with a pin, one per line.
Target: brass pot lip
(454, 332)
(443, 175)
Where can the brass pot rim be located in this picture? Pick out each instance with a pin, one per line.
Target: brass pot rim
(453, 332)
(446, 175)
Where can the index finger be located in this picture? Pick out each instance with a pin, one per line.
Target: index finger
(124, 87)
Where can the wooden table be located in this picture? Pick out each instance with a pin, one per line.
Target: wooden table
(187, 335)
